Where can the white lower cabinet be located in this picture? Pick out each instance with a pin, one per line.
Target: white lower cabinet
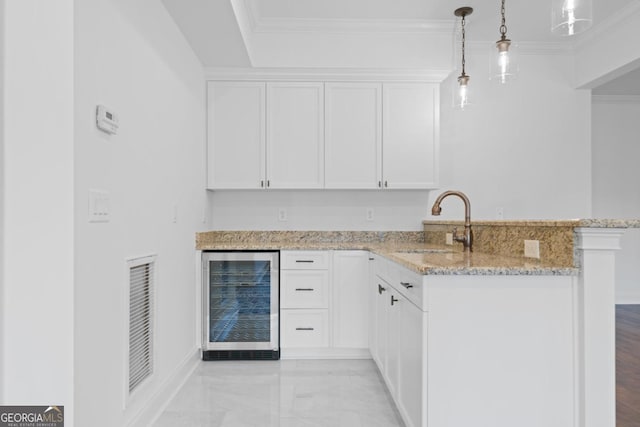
(400, 340)
(324, 312)
(474, 350)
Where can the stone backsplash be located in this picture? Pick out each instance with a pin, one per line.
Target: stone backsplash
(507, 237)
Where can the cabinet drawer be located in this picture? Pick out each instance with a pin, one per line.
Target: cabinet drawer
(304, 328)
(410, 285)
(304, 260)
(304, 289)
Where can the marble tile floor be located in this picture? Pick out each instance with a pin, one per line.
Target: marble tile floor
(284, 393)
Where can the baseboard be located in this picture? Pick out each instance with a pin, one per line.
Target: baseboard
(628, 297)
(325, 353)
(157, 403)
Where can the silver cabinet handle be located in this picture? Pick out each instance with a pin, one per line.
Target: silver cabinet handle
(309, 261)
(262, 183)
(381, 289)
(304, 329)
(304, 289)
(379, 184)
(407, 285)
(393, 299)
(268, 183)
(386, 184)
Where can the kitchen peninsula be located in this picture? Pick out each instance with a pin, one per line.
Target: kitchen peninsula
(513, 340)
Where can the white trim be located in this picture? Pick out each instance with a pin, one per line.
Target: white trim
(562, 48)
(157, 402)
(607, 26)
(615, 99)
(353, 26)
(327, 74)
(324, 353)
(628, 297)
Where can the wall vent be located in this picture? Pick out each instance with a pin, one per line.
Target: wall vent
(141, 309)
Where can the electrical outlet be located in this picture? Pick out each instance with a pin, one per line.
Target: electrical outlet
(532, 249)
(499, 212)
(370, 214)
(282, 214)
(449, 238)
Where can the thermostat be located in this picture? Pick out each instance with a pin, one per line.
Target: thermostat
(106, 120)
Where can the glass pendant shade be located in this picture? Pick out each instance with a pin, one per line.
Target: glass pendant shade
(569, 17)
(461, 99)
(461, 84)
(505, 61)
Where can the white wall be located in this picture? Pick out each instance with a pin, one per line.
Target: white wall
(38, 241)
(616, 150)
(318, 210)
(523, 147)
(2, 191)
(131, 58)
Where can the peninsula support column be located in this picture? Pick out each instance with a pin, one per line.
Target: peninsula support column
(596, 320)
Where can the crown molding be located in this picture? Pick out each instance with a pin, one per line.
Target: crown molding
(326, 74)
(607, 26)
(615, 99)
(527, 48)
(259, 24)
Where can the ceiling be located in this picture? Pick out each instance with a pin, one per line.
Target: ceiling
(408, 34)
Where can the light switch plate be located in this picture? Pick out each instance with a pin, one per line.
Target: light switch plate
(99, 206)
(532, 249)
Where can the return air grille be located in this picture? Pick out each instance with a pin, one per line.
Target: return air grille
(140, 321)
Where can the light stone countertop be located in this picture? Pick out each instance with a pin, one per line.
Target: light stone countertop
(405, 248)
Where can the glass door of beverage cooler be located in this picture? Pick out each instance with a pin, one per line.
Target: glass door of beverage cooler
(241, 295)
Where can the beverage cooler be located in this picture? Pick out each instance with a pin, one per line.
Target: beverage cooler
(241, 305)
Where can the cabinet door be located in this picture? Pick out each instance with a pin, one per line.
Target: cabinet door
(381, 292)
(350, 311)
(295, 135)
(410, 135)
(395, 303)
(235, 135)
(353, 131)
(413, 363)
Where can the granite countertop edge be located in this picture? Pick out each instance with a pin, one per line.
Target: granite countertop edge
(496, 266)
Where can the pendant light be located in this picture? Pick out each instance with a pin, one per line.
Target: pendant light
(504, 66)
(569, 17)
(461, 96)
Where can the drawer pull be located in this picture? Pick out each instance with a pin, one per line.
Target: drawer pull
(309, 261)
(407, 285)
(304, 329)
(381, 289)
(304, 289)
(393, 299)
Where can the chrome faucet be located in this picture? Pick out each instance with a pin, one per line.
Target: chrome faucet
(467, 239)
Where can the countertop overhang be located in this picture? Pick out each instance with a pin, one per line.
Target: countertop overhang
(405, 248)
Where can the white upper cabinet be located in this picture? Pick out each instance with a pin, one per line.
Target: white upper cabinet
(410, 135)
(236, 135)
(310, 135)
(295, 135)
(353, 135)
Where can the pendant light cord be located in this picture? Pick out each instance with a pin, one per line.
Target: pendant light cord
(503, 24)
(463, 43)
